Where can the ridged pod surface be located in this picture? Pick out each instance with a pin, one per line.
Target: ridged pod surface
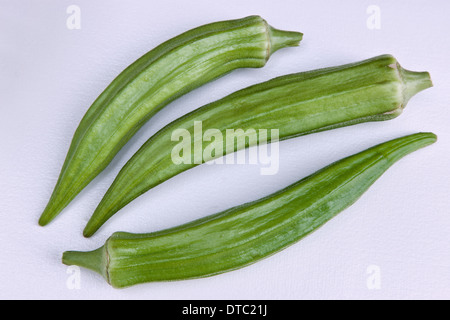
(244, 234)
(297, 104)
(167, 72)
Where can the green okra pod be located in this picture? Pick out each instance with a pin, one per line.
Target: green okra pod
(167, 72)
(244, 234)
(297, 104)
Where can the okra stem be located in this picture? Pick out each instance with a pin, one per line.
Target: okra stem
(281, 39)
(414, 82)
(96, 260)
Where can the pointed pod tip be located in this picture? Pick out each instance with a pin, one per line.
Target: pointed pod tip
(420, 140)
(87, 233)
(43, 221)
(427, 138)
(50, 212)
(394, 150)
(89, 230)
(431, 136)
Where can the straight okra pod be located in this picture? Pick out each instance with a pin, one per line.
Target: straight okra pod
(244, 234)
(297, 104)
(167, 72)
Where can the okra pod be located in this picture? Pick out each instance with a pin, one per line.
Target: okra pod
(167, 72)
(297, 104)
(247, 233)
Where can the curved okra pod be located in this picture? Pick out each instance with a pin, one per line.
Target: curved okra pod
(297, 104)
(244, 234)
(160, 76)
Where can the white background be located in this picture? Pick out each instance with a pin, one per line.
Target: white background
(50, 75)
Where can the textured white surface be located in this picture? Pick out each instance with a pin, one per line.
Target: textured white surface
(49, 76)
